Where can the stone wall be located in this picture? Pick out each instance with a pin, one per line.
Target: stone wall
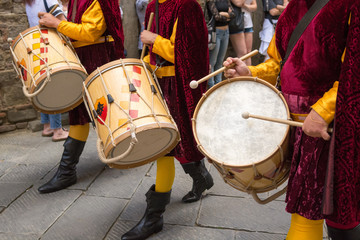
(16, 112)
(15, 109)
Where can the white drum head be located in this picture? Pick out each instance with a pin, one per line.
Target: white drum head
(225, 136)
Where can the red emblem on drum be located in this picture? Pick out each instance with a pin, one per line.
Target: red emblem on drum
(101, 109)
(23, 69)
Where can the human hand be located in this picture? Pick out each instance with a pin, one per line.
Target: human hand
(48, 20)
(148, 37)
(315, 126)
(226, 15)
(240, 68)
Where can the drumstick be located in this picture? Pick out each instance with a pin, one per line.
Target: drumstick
(148, 28)
(53, 9)
(194, 84)
(247, 115)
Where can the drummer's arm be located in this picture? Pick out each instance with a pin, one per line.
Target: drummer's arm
(165, 47)
(270, 69)
(91, 28)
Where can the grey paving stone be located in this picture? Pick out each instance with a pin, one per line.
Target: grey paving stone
(244, 214)
(174, 232)
(34, 213)
(90, 217)
(121, 183)
(5, 166)
(242, 235)
(10, 191)
(13, 153)
(23, 173)
(48, 153)
(120, 227)
(12, 236)
(23, 138)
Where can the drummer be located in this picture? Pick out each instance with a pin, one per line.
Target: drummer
(179, 49)
(96, 29)
(317, 78)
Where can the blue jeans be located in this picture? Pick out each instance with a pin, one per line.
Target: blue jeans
(53, 119)
(217, 55)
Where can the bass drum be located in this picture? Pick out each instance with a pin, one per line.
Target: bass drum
(250, 154)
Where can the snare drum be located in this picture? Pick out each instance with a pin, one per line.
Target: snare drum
(250, 154)
(132, 120)
(49, 69)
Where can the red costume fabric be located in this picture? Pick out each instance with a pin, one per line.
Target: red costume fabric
(311, 70)
(191, 63)
(93, 56)
(347, 144)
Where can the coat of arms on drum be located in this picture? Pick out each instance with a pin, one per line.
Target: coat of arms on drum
(101, 109)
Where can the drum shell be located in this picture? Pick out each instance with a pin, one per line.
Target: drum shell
(147, 128)
(45, 56)
(262, 176)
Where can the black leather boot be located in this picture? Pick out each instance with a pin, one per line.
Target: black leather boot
(202, 180)
(340, 234)
(66, 173)
(152, 221)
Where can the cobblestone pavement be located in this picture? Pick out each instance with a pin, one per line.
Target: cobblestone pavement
(106, 202)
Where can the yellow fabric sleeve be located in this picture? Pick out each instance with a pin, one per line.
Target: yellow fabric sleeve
(91, 28)
(166, 47)
(268, 70)
(326, 105)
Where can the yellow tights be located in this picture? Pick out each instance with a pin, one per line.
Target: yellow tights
(305, 229)
(79, 132)
(165, 174)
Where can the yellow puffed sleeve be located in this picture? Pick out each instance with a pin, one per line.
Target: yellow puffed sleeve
(165, 47)
(91, 28)
(269, 69)
(325, 106)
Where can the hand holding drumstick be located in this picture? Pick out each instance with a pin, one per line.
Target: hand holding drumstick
(233, 63)
(313, 126)
(48, 20)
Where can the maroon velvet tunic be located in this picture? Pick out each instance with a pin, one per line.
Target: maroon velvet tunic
(311, 70)
(93, 56)
(191, 62)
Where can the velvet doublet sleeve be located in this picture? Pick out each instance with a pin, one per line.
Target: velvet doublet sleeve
(91, 28)
(269, 70)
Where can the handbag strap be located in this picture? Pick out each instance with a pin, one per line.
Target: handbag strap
(300, 28)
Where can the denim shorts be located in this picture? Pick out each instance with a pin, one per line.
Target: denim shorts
(246, 30)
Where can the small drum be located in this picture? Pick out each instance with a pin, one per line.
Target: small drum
(250, 154)
(49, 68)
(132, 120)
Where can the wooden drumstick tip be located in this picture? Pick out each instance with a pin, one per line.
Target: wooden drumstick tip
(194, 84)
(9, 40)
(245, 115)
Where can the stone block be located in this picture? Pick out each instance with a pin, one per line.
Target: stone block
(7, 128)
(35, 126)
(12, 95)
(21, 125)
(15, 116)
